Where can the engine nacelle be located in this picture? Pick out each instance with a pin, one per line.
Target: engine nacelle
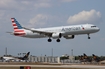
(56, 35)
(69, 36)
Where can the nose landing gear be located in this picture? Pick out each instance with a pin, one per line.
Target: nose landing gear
(88, 36)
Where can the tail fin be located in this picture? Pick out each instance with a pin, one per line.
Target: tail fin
(16, 24)
(85, 56)
(93, 55)
(26, 56)
(18, 29)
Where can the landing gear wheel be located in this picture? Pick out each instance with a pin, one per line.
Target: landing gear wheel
(88, 37)
(49, 40)
(58, 40)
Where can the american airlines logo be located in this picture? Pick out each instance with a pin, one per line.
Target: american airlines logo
(71, 29)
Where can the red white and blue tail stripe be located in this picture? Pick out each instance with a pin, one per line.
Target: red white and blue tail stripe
(18, 29)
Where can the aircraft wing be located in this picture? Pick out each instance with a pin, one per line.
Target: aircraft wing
(40, 32)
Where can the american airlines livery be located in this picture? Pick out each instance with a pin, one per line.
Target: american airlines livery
(67, 32)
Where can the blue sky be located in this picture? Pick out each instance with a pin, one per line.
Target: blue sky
(49, 13)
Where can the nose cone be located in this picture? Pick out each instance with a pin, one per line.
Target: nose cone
(98, 29)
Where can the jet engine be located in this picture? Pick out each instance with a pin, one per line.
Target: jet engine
(56, 35)
(69, 36)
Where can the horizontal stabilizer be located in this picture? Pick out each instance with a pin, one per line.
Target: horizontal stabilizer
(10, 33)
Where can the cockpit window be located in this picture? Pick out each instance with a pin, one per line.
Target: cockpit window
(93, 26)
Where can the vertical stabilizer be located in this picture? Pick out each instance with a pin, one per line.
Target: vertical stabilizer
(18, 29)
(26, 56)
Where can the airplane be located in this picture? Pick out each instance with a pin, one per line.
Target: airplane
(7, 58)
(68, 32)
(96, 58)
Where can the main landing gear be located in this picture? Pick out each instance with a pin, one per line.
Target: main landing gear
(49, 40)
(88, 36)
(58, 40)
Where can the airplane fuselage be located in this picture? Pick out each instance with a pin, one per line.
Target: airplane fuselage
(64, 30)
